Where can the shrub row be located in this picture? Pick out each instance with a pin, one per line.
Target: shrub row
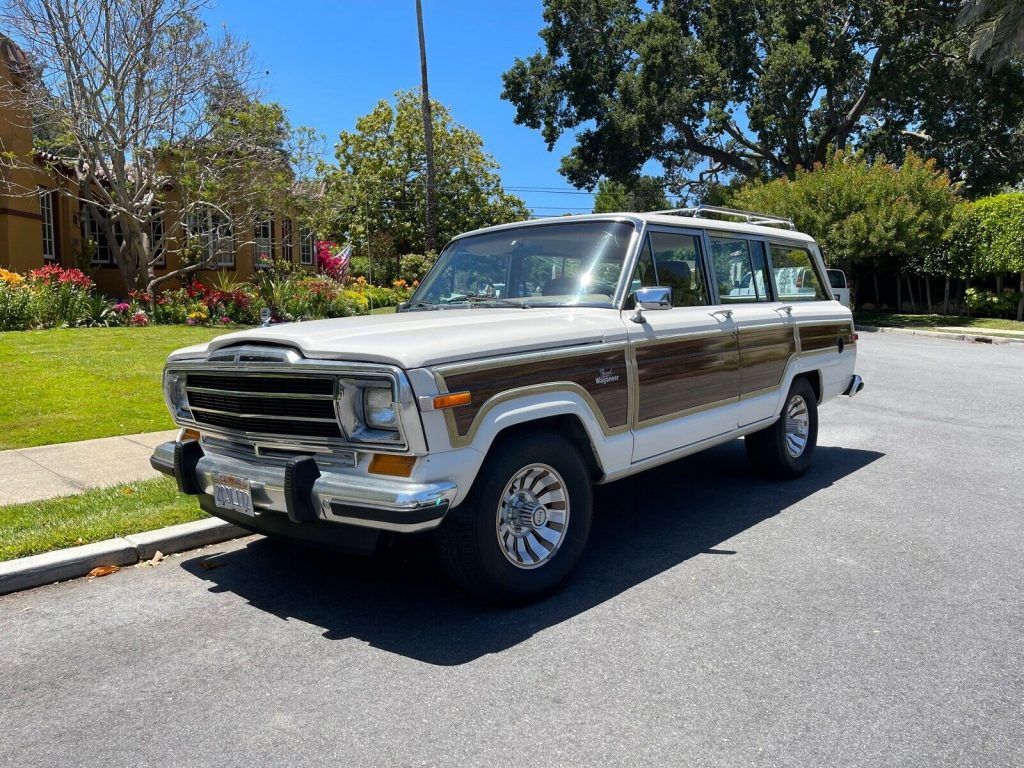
(55, 297)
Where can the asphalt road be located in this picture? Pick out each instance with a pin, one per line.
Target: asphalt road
(871, 613)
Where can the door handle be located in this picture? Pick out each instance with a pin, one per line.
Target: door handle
(726, 313)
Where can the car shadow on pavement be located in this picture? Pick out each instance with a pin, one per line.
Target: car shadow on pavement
(399, 600)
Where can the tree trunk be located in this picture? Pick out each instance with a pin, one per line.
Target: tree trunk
(1020, 304)
(910, 295)
(878, 300)
(899, 293)
(928, 292)
(967, 287)
(999, 284)
(430, 216)
(945, 298)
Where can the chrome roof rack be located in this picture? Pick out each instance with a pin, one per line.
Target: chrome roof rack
(750, 217)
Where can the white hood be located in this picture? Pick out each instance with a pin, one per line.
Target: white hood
(417, 339)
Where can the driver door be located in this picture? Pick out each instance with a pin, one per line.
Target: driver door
(687, 357)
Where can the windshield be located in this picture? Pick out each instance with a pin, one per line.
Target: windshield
(557, 264)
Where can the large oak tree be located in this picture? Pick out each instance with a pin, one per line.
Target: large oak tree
(714, 89)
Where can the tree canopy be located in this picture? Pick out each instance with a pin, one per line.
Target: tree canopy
(376, 190)
(760, 88)
(997, 30)
(999, 224)
(645, 193)
(878, 214)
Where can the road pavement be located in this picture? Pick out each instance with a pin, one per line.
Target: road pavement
(871, 613)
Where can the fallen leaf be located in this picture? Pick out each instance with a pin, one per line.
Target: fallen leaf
(79, 541)
(128, 491)
(210, 564)
(103, 570)
(157, 558)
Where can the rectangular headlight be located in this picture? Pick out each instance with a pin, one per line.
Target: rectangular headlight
(175, 396)
(379, 409)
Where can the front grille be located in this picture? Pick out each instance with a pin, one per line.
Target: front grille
(293, 406)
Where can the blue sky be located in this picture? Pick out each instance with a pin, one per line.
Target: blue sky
(330, 61)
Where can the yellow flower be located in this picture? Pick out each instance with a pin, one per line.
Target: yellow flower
(11, 278)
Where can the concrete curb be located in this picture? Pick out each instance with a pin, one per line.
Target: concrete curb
(73, 562)
(972, 337)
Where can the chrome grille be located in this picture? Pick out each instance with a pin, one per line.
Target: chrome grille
(265, 404)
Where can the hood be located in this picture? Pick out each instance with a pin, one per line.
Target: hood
(417, 339)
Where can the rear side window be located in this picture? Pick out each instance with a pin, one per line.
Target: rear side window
(795, 277)
(741, 270)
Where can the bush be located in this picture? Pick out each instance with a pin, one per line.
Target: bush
(415, 265)
(15, 307)
(990, 304)
(60, 296)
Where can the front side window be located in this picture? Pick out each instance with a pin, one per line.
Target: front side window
(795, 276)
(741, 270)
(558, 264)
(673, 260)
(47, 206)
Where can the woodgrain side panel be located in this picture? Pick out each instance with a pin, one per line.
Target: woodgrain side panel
(603, 375)
(814, 338)
(764, 355)
(683, 375)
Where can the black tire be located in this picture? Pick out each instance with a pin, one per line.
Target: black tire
(769, 449)
(468, 539)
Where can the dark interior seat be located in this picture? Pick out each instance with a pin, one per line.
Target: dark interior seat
(678, 276)
(560, 286)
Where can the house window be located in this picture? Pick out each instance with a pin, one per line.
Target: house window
(212, 230)
(156, 239)
(95, 238)
(306, 246)
(47, 207)
(286, 239)
(263, 249)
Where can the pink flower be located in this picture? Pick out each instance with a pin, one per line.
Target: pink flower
(139, 317)
(122, 306)
(225, 320)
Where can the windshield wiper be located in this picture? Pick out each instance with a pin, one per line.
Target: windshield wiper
(480, 298)
(419, 304)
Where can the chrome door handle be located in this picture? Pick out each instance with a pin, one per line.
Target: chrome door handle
(788, 309)
(726, 313)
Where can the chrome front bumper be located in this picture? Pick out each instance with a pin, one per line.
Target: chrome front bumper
(381, 503)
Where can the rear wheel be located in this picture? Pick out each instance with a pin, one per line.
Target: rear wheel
(786, 448)
(525, 523)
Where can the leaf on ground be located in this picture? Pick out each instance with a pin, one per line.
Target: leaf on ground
(157, 558)
(210, 563)
(103, 570)
(79, 541)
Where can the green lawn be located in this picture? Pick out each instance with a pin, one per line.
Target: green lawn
(934, 321)
(78, 383)
(40, 526)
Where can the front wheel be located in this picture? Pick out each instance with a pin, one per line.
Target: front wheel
(525, 523)
(785, 449)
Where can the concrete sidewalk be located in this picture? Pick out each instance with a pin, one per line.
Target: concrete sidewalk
(32, 474)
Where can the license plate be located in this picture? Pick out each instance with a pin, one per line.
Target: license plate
(233, 493)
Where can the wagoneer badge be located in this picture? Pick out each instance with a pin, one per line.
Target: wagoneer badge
(605, 376)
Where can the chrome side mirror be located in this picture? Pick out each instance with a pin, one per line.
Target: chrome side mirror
(654, 297)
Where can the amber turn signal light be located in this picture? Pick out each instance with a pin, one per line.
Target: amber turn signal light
(189, 434)
(452, 400)
(391, 464)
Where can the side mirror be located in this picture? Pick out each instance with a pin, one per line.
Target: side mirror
(653, 298)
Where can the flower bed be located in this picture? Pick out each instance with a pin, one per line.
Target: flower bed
(53, 297)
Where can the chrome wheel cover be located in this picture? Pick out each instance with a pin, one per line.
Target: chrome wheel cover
(532, 517)
(798, 426)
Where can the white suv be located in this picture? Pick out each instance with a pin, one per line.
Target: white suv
(533, 361)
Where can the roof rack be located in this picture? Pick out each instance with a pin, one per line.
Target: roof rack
(750, 217)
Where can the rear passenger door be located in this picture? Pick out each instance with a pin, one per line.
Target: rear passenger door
(765, 331)
(686, 373)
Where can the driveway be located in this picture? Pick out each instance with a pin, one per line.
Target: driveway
(871, 613)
